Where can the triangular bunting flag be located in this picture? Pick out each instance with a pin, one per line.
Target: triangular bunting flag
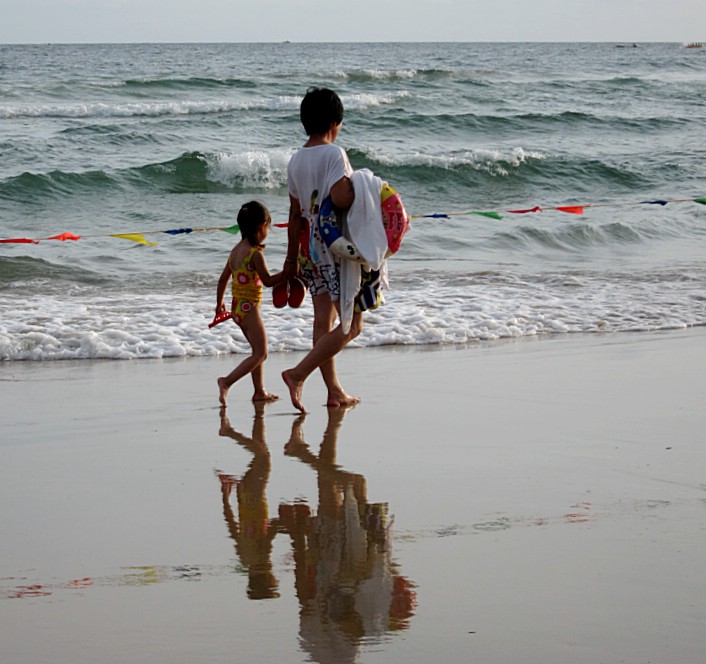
(62, 237)
(21, 240)
(179, 231)
(536, 208)
(135, 237)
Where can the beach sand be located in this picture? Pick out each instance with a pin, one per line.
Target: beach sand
(536, 501)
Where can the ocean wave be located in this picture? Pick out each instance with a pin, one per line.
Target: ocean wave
(514, 169)
(120, 109)
(26, 272)
(505, 174)
(627, 81)
(364, 75)
(251, 169)
(567, 120)
(162, 108)
(569, 238)
(392, 75)
(213, 172)
(551, 236)
(492, 175)
(193, 172)
(364, 100)
(198, 172)
(190, 83)
(54, 184)
(458, 309)
(463, 124)
(92, 129)
(493, 161)
(487, 175)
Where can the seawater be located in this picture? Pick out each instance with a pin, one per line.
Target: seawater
(104, 139)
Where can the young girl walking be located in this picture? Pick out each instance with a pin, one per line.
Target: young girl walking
(247, 268)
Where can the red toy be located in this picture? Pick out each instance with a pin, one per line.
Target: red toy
(219, 318)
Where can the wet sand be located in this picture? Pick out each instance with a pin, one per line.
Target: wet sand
(536, 501)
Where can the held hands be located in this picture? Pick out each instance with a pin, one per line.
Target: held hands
(290, 268)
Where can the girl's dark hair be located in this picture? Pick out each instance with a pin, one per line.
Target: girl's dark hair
(250, 217)
(319, 108)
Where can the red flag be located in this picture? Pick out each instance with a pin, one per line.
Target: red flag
(64, 236)
(536, 208)
(22, 240)
(571, 209)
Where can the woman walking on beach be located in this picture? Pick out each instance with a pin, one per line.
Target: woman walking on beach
(317, 170)
(247, 268)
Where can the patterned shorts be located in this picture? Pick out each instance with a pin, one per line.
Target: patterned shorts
(318, 282)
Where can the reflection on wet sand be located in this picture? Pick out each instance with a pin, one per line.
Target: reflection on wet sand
(252, 531)
(349, 590)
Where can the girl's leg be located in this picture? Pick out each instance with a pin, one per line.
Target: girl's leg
(254, 331)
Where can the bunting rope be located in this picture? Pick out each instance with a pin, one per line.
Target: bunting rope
(569, 209)
(133, 237)
(140, 238)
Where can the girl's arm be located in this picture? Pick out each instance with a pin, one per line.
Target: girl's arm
(221, 289)
(269, 280)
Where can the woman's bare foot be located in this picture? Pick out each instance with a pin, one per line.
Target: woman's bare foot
(222, 391)
(264, 395)
(295, 389)
(338, 398)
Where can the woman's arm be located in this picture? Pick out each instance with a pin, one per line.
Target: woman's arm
(342, 193)
(293, 237)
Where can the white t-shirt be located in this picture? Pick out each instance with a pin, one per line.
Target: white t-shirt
(310, 175)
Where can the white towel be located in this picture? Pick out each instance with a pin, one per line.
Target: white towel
(363, 225)
(365, 218)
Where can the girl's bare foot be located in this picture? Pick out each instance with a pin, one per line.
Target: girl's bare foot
(264, 395)
(222, 391)
(295, 389)
(227, 482)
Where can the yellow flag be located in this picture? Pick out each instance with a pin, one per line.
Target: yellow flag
(135, 237)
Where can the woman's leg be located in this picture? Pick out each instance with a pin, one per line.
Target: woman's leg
(326, 346)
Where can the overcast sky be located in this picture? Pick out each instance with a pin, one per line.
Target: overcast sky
(37, 21)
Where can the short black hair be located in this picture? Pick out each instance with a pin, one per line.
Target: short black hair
(250, 217)
(319, 108)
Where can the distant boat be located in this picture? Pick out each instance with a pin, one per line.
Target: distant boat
(694, 45)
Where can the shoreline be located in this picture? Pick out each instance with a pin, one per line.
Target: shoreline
(539, 499)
